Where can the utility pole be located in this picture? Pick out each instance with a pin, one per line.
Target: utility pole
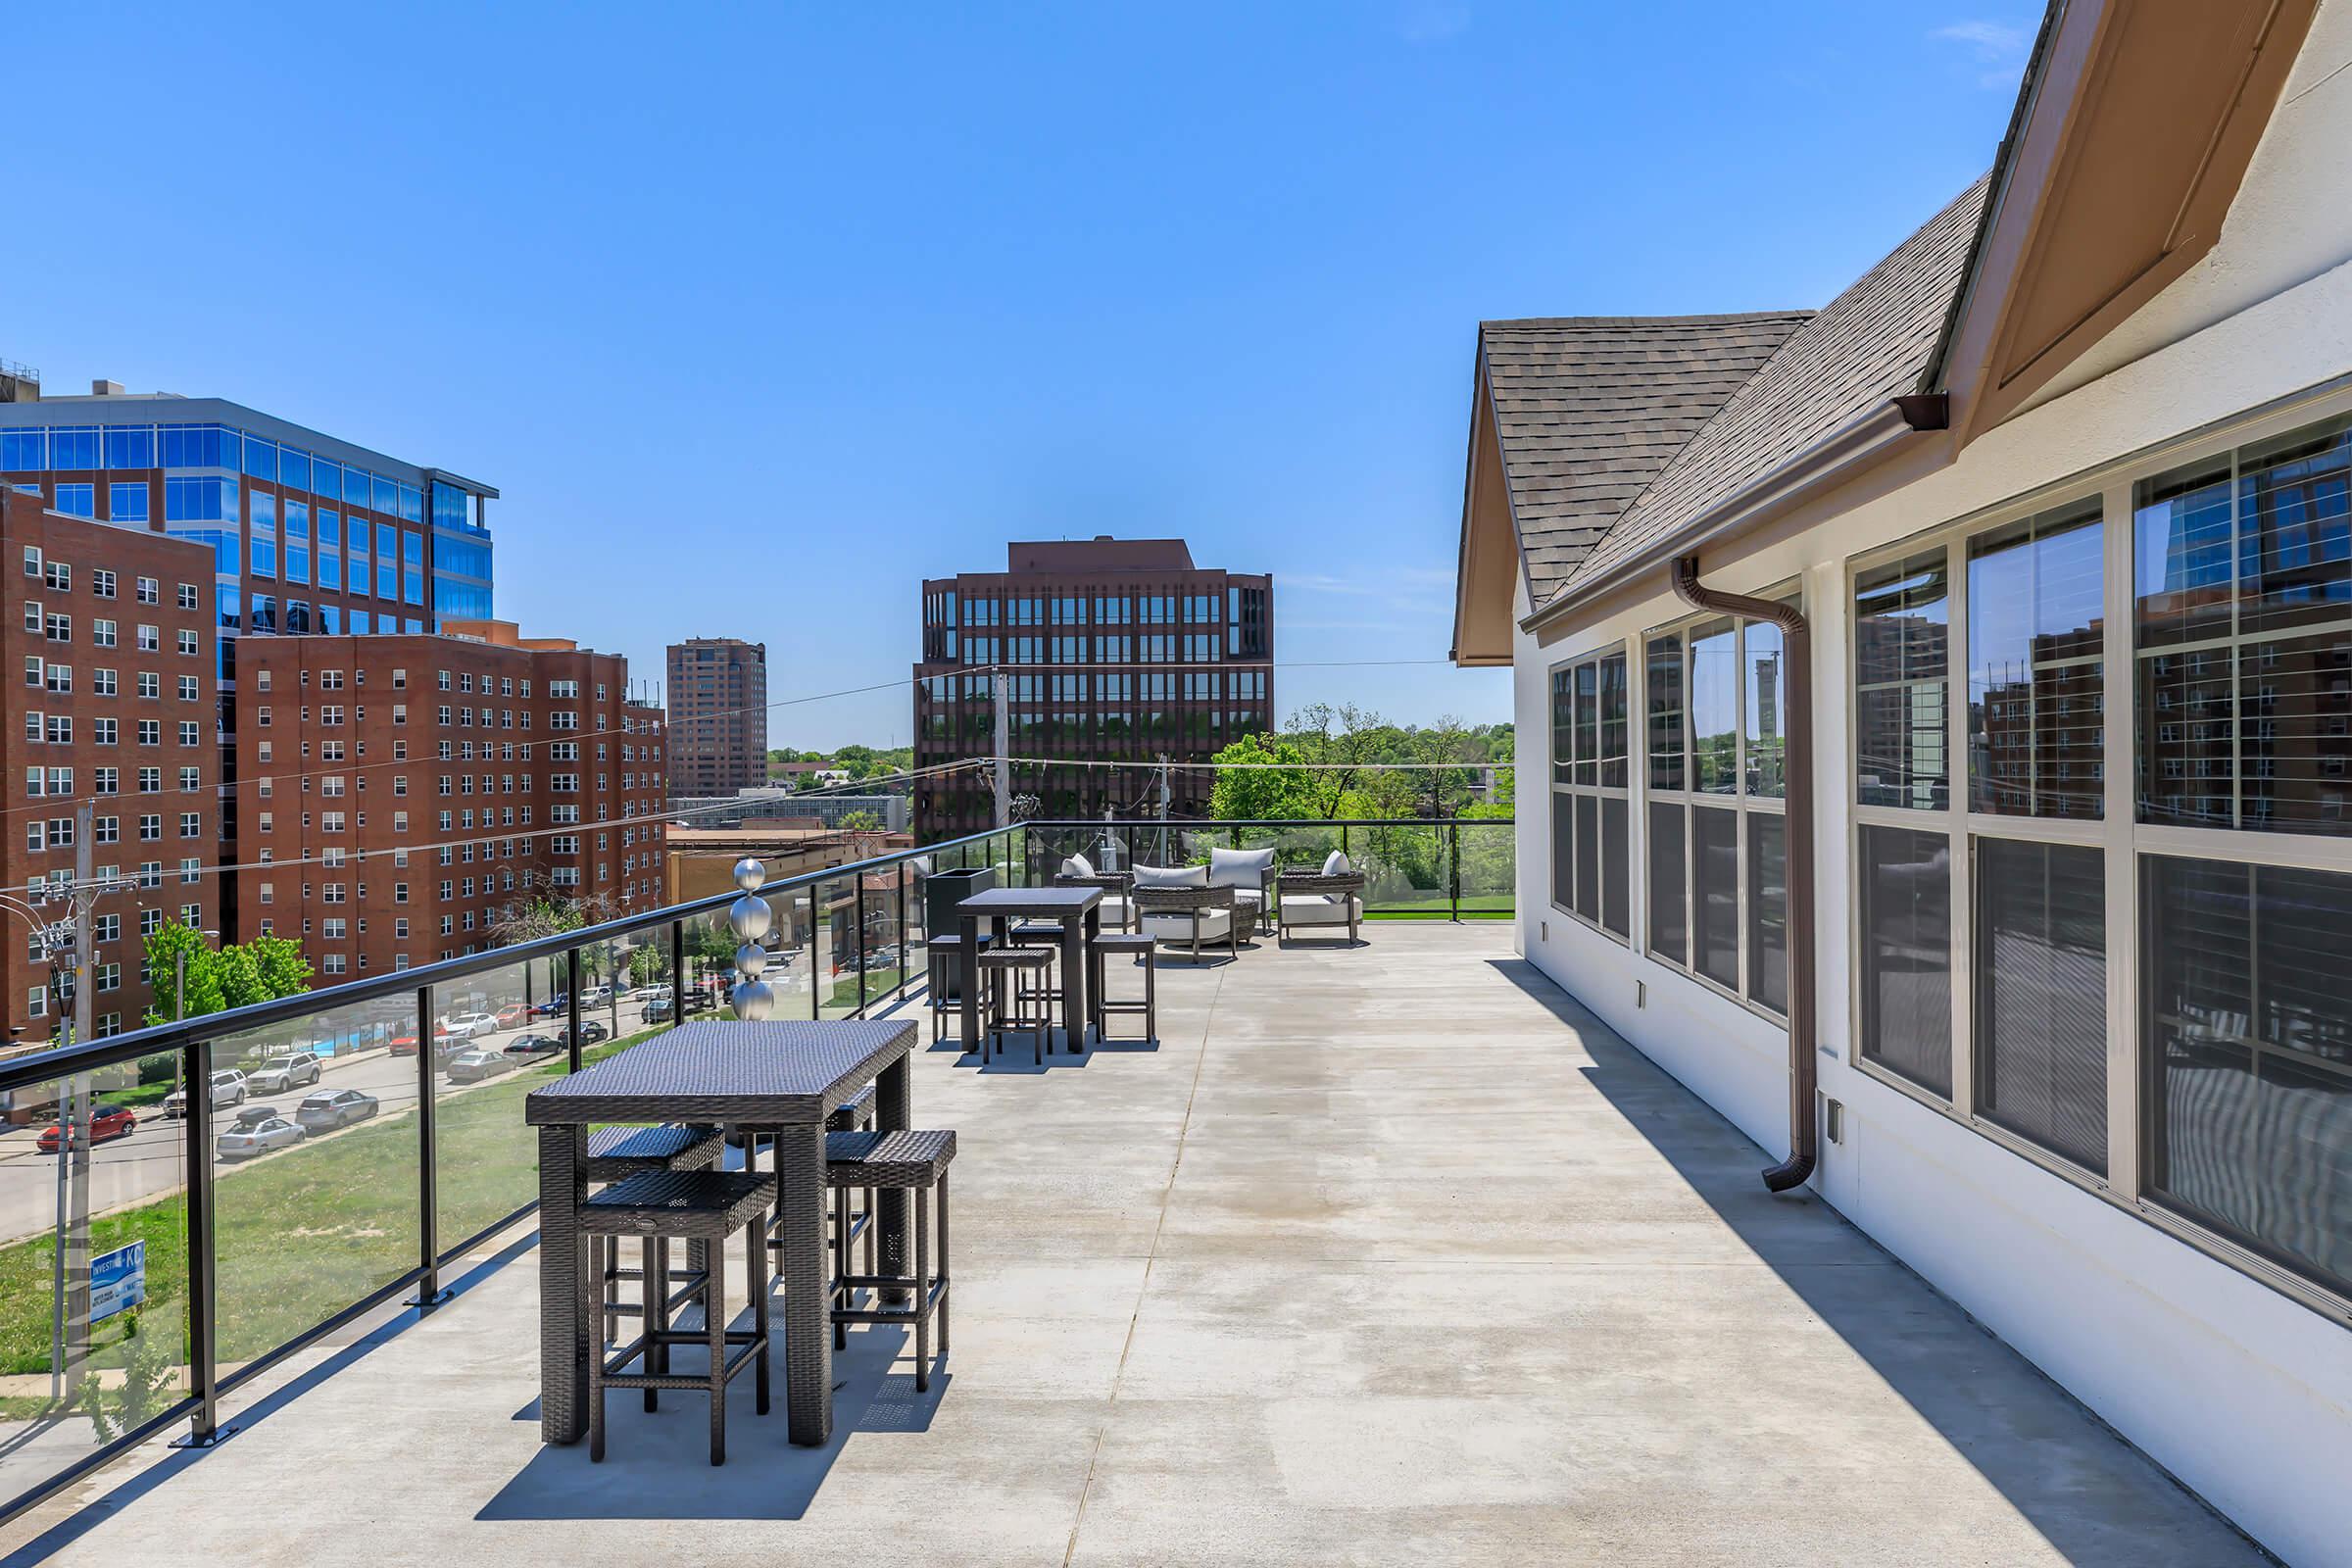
(1002, 702)
(69, 1283)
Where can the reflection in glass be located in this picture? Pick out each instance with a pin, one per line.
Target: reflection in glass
(1612, 721)
(2041, 995)
(1714, 708)
(1768, 911)
(2247, 1041)
(1902, 647)
(1906, 977)
(1767, 694)
(2036, 598)
(1665, 697)
(1588, 724)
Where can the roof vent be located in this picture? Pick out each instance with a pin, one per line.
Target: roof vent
(106, 389)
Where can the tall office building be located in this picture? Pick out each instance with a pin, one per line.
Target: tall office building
(308, 533)
(114, 711)
(1109, 649)
(717, 716)
(420, 788)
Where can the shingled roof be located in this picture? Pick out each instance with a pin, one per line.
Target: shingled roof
(1870, 344)
(1588, 411)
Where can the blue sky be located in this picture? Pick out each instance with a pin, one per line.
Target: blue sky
(759, 315)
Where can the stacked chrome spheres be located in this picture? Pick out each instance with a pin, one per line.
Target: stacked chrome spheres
(749, 916)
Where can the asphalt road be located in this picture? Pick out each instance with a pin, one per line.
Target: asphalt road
(152, 1159)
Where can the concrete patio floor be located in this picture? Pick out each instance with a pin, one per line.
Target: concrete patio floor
(1391, 1254)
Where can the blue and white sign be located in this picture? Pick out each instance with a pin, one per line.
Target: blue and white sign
(117, 1280)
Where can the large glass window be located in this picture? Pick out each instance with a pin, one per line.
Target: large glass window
(2246, 1041)
(2036, 594)
(1717, 730)
(1901, 661)
(1905, 919)
(2242, 584)
(1590, 810)
(2041, 995)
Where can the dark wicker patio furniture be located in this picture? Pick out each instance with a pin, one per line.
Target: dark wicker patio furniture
(1186, 916)
(658, 1207)
(1020, 996)
(1119, 885)
(1313, 900)
(942, 964)
(1145, 952)
(915, 1162)
(615, 1153)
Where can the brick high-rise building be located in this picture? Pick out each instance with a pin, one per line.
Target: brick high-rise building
(410, 791)
(717, 716)
(114, 708)
(1110, 650)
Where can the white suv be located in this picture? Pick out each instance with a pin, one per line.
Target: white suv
(228, 1089)
(467, 1025)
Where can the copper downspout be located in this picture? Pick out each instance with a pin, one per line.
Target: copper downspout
(1798, 650)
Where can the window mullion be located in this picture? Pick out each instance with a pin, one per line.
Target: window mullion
(2117, 820)
(1959, 786)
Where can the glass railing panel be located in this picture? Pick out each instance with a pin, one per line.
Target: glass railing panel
(315, 1156)
(1490, 862)
(914, 955)
(99, 1347)
(1298, 845)
(495, 1037)
(1404, 868)
(710, 948)
(835, 949)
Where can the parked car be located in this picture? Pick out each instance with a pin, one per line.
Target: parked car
(647, 993)
(107, 1123)
(591, 1032)
(403, 1041)
(596, 995)
(552, 1005)
(472, 1067)
(247, 1117)
(228, 1089)
(278, 1074)
(514, 1016)
(334, 1107)
(243, 1141)
(467, 1025)
(531, 1047)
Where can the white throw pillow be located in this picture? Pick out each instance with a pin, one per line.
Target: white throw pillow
(1238, 868)
(1336, 864)
(1171, 876)
(1077, 865)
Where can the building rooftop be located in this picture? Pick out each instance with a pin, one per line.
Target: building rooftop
(1102, 553)
(1394, 1255)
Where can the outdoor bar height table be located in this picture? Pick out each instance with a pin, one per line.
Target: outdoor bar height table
(786, 1076)
(1080, 912)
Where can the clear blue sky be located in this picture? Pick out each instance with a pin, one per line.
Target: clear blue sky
(759, 315)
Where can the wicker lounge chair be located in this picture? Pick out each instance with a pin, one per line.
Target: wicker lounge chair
(1332, 898)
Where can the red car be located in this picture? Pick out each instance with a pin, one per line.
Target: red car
(108, 1124)
(514, 1016)
(404, 1043)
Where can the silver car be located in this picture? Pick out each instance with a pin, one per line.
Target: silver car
(472, 1067)
(294, 1070)
(228, 1089)
(244, 1142)
(331, 1109)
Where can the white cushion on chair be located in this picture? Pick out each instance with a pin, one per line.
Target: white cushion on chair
(1320, 909)
(1077, 865)
(1171, 876)
(1336, 864)
(1216, 926)
(1238, 868)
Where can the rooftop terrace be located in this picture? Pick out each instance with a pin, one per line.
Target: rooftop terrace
(1390, 1255)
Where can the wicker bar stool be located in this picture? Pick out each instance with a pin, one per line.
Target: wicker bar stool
(1022, 994)
(943, 955)
(1146, 951)
(659, 1206)
(855, 1115)
(615, 1153)
(915, 1162)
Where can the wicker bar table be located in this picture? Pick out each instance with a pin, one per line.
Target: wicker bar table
(1079, 909)
(785, 1075)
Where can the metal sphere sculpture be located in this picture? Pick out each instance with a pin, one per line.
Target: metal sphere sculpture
(749, 917)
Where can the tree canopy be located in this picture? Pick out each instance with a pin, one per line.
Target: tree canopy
(237, 976)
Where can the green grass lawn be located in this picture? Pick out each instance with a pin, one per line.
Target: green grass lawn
(304, 1233)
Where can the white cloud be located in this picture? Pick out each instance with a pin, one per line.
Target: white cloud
(1996, 46)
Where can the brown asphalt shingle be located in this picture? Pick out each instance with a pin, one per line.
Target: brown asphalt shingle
(1870, 344)
(1590, 410)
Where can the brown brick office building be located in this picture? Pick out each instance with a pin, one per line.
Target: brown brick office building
(1110, 650)
(717, 716)
(110, 661)
(399, 795)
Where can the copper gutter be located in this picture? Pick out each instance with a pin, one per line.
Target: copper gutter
(1797, 651)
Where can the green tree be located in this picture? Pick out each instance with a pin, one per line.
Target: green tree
(644, 965)
(167, 947)
(1268, 785)
(283, 969)
(860, 821)
(237, 976)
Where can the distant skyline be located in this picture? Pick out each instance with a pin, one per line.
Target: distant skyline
(759, 318)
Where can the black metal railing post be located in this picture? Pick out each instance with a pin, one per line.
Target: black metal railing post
(857, 949)
(905, 970)
(204, 1272)
(1454, 866)
(677, 973)
(814, 951)
(429, 1292)
(571, 1002)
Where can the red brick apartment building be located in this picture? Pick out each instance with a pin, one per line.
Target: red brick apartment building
(399, 795)
(113, 705)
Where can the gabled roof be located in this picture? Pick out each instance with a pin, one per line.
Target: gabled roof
(1588, 410)
(1869, 345)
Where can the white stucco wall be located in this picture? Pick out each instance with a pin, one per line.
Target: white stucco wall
(2242, 1392)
